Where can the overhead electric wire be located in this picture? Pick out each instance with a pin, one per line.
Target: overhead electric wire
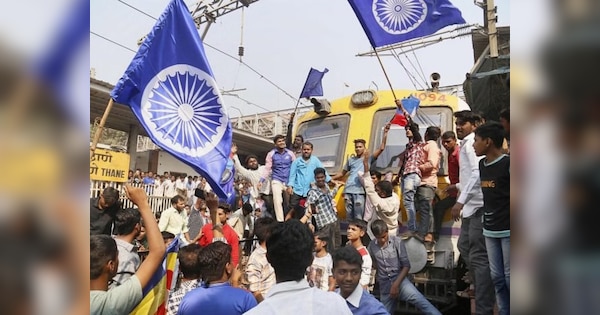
(112, 41)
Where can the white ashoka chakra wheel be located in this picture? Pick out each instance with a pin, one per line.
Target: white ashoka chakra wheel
(182, 107)
(399, 16)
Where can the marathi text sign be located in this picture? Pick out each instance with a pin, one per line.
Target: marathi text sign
(109, 166)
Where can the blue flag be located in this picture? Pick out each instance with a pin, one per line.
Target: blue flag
(392, 21)
(170, 88)
(313, 85)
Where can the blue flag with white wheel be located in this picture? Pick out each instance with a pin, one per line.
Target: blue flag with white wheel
(388, 22)
(170, 88)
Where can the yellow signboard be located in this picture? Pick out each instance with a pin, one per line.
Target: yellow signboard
(109, 166)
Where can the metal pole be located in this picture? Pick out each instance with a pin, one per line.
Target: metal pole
(492, 32)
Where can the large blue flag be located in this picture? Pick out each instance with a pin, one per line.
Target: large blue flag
(313, 85)
(170, 88)
(392, 21)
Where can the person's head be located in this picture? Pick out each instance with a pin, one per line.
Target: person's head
(466, 122)
(166, 174)
(108, 198)
(142, 234)
(279, 141)
(195, 178)
(488, 136)
(359, 146)
(257, 213)
(247, 208)
(384, 189)
(289, 250)
(222, 211)
(298, 140)
(375, 176)
(130, 174)
(412, 132)
(103, 256)
(320, 176)
(307, 149)
(252, 162)
(449, 141)
(432, 133)
(263, 227)
(173, 178)
(150, 174)
(215, 261)
(128, 221)
(356, 229)
(178, 202)
(380, 230)
(167, 237)
(321, 240)
(347, 269)
(188, 261)
(505, 119)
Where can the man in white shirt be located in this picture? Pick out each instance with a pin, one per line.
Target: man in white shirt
(169, 187)
(471, 242)
(289, 251)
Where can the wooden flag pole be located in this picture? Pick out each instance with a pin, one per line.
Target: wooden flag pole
(390, 84)
(100, 127)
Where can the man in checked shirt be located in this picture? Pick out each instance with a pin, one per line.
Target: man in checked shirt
(320, 203)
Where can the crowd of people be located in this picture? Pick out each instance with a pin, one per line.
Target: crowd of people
(280, 251)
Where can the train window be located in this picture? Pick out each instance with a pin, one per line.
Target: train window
(327, 134)
(440, 116)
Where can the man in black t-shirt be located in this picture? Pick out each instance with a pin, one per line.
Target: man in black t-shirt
(103, 210)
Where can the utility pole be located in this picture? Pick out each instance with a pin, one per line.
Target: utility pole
(490, 21)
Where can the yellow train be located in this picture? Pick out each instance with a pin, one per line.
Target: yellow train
(333, 126)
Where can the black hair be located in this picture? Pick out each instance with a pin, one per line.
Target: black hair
(467, 116)
(449, 135)
(360, 141)
(323, 236)
(212, 259)
(176, 199)
(386, 187)
(251, 156)
(167, 235)
(376, 173)
(433, 133)
(505, 113)
(110, 195)
(308, 144)
(492, 130)
(299, 136)
(126, 219)
(378, 227)
(102, 249)
(188, 261)
(277, 137)
(247, 207)
(225, 206)
(361, 224)
(414, 128)
(349, 254)
(319, 170)
(263, 228)
(290, 250)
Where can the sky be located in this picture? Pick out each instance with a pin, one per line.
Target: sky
(283, 39)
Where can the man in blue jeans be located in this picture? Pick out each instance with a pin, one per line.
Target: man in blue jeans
(391, 261)
(411, 174)
(429, 169)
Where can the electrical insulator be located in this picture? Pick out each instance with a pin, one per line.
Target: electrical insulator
(241, 51)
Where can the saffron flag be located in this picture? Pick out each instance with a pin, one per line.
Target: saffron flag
(156, 292)
(410, 104)
(392, 21)
(313, 85)
(170, 88)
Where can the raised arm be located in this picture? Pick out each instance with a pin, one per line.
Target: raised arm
(155, 241)
(378, 152)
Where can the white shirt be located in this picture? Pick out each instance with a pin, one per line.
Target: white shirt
(468, 175)
(169, 188)
(296, 297)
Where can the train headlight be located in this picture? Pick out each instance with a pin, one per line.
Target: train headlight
(364, 98)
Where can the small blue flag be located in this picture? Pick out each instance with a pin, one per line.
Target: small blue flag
(313, 85)
(392, 21)
(170, 88)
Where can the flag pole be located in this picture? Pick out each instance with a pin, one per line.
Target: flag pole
(100, 127)
(389, 83)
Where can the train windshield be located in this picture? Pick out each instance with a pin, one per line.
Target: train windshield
(328, 135)
(396, 141)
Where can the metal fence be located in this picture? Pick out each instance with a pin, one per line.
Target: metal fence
(157, 203)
